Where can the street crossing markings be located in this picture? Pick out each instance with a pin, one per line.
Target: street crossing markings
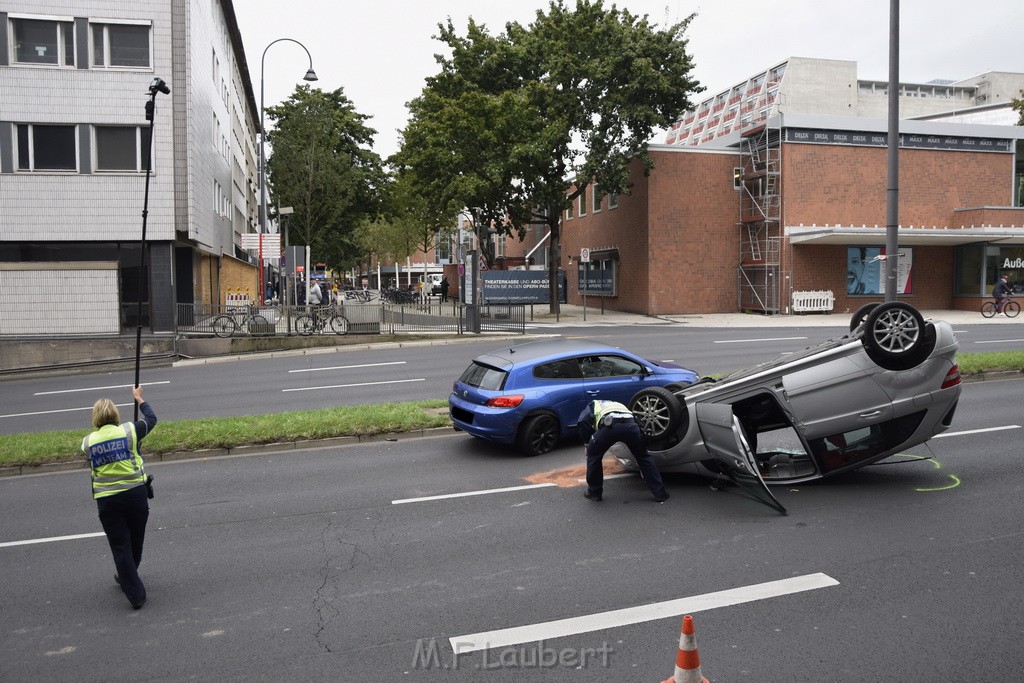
(636, 615)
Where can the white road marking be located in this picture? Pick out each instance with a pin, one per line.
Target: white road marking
(766, 339)
(116, 386)
(346, 367)
(60, 410)
(621, 475)
(635, 615)
(976, 431)
(359, 384)
(51, 539)
(999, 341)
(471, 493)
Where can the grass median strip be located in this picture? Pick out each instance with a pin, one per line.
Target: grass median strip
(38, 448)
(229, 432)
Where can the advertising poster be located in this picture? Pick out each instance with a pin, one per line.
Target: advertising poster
(865, 270)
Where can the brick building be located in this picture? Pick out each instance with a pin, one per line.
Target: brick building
(792, 199)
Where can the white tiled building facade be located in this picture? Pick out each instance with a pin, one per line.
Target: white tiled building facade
(75, 78)
(802, 85)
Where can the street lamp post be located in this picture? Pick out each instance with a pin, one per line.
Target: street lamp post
(310, 76)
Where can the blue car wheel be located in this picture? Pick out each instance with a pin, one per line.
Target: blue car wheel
(539, 434)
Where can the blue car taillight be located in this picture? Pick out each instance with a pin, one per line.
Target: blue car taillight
(505, 401)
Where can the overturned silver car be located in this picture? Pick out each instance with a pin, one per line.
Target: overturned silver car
(891, 384)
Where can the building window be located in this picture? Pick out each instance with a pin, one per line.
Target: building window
(121, 148)
(568, 212)
(583, 201)
(46, 148)
(598, 196)
(613, 201)
(979, 266)
(120, 45)
(42, 41)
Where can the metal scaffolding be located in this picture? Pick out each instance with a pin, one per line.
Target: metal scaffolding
(759, 276)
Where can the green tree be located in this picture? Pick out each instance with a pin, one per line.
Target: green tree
(406, 224)
(1018, 106)
(323, 166)
(512, 121)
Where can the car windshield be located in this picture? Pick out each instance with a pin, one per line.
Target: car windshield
(484, 377)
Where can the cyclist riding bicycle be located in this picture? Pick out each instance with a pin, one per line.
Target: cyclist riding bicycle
(1001, 292)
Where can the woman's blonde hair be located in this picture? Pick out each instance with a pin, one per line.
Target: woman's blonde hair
(104, 412)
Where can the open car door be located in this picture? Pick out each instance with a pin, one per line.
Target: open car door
(724, 439)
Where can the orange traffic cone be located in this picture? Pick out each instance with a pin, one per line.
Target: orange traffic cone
(688, 659)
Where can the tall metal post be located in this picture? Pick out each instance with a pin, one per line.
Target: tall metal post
(156, 86)
(892, 206)
(310, 76)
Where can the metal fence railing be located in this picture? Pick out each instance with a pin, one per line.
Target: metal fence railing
(353, 318)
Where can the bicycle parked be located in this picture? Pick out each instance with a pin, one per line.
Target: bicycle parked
(399, 296)
(321, 319)
(1009, 307)
(249, 318)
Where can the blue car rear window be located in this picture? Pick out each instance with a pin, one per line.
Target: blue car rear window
(484, 377)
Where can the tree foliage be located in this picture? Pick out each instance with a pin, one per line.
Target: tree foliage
(323, 167)
(1018, 106)
(512, 120)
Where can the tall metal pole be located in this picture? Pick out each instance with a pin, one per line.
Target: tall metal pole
(892, 208)
(310, 76)
(156, 86)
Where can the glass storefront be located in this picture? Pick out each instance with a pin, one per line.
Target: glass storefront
(978, 266)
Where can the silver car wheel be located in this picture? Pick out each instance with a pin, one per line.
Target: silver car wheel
(896, 330)
(657, 411)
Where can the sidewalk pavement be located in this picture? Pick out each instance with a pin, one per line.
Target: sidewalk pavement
(573, 316)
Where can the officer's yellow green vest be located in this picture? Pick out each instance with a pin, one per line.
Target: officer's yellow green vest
(113, 452)
(602, 408)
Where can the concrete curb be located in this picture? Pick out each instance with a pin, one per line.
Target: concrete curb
(290, 353)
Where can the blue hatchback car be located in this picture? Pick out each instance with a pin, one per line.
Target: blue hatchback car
(531, 394)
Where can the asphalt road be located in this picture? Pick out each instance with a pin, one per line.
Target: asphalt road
(303, 567)
(264, 385)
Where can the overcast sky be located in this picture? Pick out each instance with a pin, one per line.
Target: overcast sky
(380, 51)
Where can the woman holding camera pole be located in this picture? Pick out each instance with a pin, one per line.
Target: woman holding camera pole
(121, 487)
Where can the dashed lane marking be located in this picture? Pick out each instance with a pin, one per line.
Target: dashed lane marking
(114, 386)
(348, 367)
(635, 615)
(358, 384)
(483, 492)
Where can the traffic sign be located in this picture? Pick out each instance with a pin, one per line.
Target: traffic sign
(585, 255)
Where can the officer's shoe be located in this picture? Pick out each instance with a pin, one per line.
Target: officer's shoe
(138, 605)
(662, 498)
(592, 496)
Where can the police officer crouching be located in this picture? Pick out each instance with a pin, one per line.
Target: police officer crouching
(121, 488)
(603, 423)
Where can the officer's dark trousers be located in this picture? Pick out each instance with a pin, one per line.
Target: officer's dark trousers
(629, 434)
(123, 516)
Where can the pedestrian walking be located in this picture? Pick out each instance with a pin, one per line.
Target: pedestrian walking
(121, 488)
(444, 288)
(604, 423)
